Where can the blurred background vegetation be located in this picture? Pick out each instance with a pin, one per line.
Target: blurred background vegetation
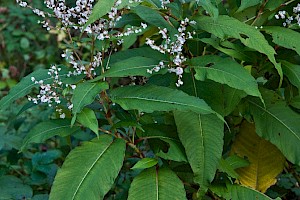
(24, 47)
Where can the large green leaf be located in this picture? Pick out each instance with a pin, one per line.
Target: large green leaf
(89, 171)
(84, 94)
(156, 98)
(202, 138)
(24, 87)
(45, 130)
(292, 71)
(248, 3)
(153, 17)
(135, 66)
(227, 26)
(101, 8)
(284, 37)
(277, 123)
(209, 7)
(159, 184)
(225, 71)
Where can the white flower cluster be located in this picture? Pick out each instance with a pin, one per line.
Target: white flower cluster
(289, 19)
(173, 48)
(51, 93)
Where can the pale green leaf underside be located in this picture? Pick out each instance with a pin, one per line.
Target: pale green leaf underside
(225, 71)
(45, 130)
(278, 124)
(156, 98)
(156, 184)
(89, 170)
(202, 138)
(226, 26)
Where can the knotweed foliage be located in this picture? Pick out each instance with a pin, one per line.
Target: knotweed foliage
(186, 99)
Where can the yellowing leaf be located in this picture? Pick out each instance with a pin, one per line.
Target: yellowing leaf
(266, 161)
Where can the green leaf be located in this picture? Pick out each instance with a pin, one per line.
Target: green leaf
(101, 8)
(292, 71)
(231, 163)
(135, 66)
(153, 17)
(202, 138)
(45, 130)
(175, 152)
(87, 118)
(13, 188)
(209, 7)
(284, 37)
(89, 170)
(84, 94)
(227, 26)
(238, 192)
(145, 163)
(248, 3)
(159, 184)
(279, 124)
(225, 71)
(156, 98)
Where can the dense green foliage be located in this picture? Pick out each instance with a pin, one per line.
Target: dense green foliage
(150, 99)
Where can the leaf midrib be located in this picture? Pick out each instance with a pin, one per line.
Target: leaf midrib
(93, 164)
(78, 108)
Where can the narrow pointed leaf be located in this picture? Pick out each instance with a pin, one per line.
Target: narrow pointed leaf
(292, 71)
(225, 71)
(87, 118)
(227, 26)
(266, 161)
(209, 7)
(136, 66)
(45, 130)
(145, 163)
(278, 124)
(248, 3)
(202, 138)
(159, 184)
(89, 171)
(156, 98)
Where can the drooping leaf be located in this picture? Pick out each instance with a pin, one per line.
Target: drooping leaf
(175, 152)
(12, 187)
(135, 66)
(89, 170)
(225, 71)
(248, 3)
(145, 163)
(266, 161)
(292, 71)
(45, 130)
(156, 98)
(101, 8)
(84, 94)
(284, 37)
(88, 119)
(227, 26)
(202, 138)
(278, 124)
(159, 184)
